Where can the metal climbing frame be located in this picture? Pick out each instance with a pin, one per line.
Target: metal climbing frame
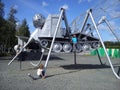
(96, 28)
(62, 14)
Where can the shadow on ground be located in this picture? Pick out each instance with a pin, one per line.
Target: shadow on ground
(61, 73)
(84, 66)
(32, 58)
(79, 67)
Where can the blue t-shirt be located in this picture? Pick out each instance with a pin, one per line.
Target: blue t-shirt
(74, 40)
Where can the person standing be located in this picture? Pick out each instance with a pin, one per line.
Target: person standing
(74, 41)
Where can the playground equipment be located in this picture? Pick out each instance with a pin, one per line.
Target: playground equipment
(54, 38)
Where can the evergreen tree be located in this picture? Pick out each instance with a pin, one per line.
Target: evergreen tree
(1, 9)
(11, 16)
(2, 20)
(23, 29)
(2, 28)
(11, 28)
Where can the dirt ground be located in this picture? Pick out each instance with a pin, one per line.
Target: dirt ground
(61, 74)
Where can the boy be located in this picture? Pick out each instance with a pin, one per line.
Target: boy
(74, 40)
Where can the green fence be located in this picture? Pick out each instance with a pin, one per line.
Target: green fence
(115, 53)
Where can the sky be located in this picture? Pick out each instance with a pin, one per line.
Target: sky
(74, 8)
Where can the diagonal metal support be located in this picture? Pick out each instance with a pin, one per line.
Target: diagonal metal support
(104, 20)
(20, 51)
(33, 34)
(85, 20)
(48, 56)
(111, 29)
(113, 70)
(99, 57)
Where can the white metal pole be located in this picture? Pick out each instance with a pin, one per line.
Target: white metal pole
(104, 47)
(85, 20)
(48, 56)
(31, 37)
(20, 51)
(111, 29)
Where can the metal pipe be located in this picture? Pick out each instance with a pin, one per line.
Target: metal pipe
(85, 20)
(111, 29)
(104, 47)
(48, 56)
(66, 24)
(19, 51)
(36, 65)
(31, 37)
(99, 57)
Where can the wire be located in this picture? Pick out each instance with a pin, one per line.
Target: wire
(101, 8)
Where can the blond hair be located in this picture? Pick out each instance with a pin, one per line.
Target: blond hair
(41, 66)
